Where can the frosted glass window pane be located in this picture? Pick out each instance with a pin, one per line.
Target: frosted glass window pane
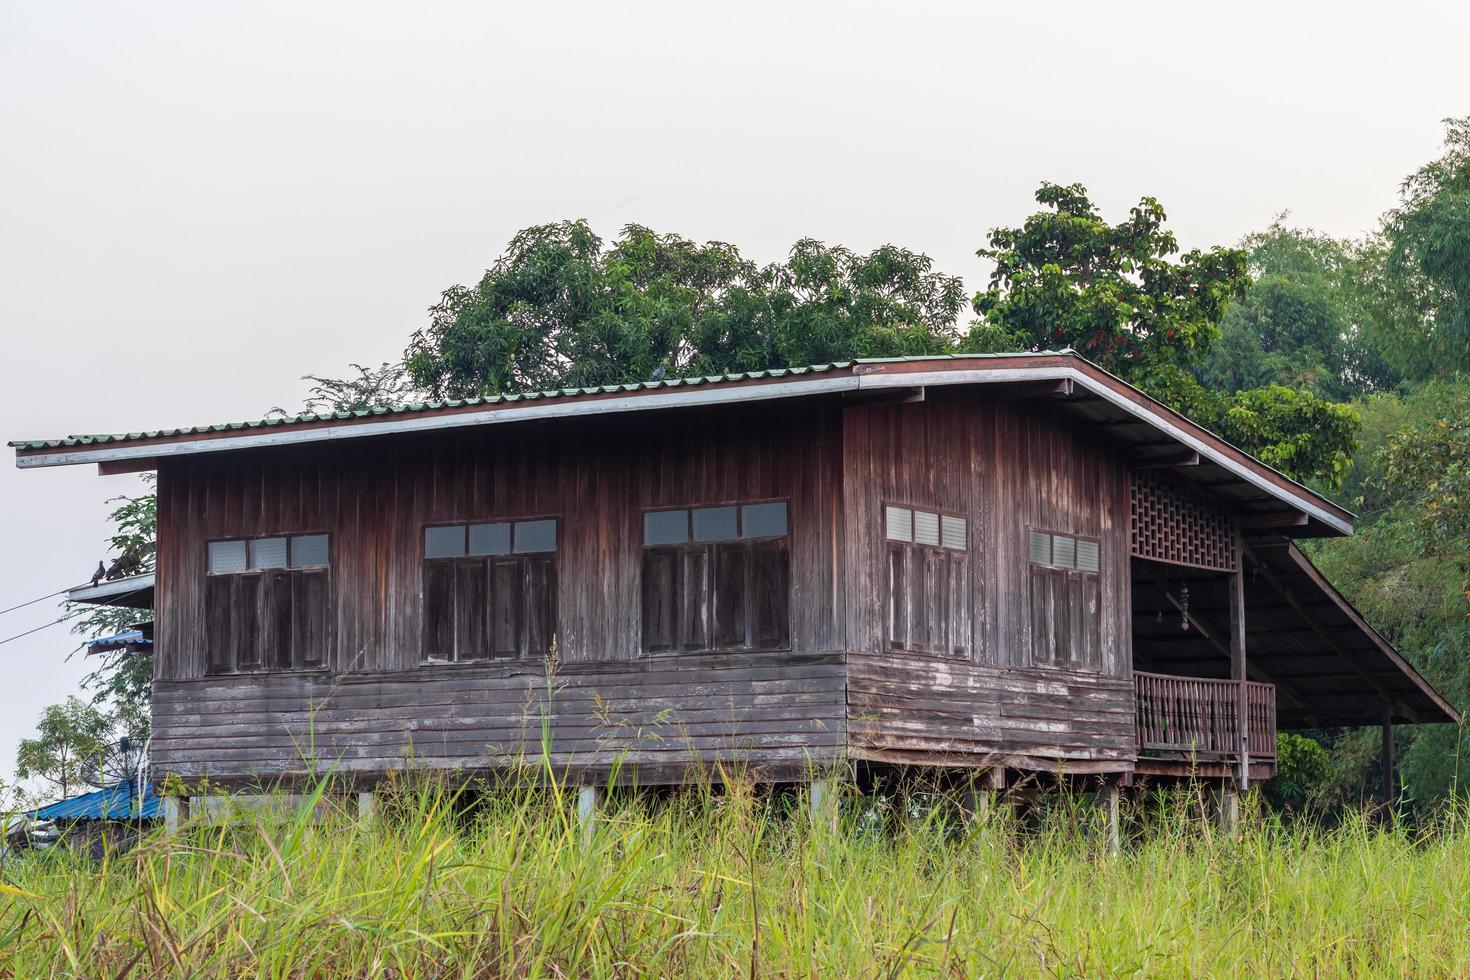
(308, 550)
(954, 533)
(535, 537)
(714, 524)
(665, 527)
(1064, 551)
(900, 523)
(268, 553)
(763, 520)
(1086, 556)
(490, 539)
(1040, 548)
(926, 528)
(227, 556)
(444, 542)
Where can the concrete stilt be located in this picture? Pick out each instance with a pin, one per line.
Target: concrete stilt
(367, 806)
(589, 799)
(1227, 807)
(1107, 801)
(175, 813)
(823, 803)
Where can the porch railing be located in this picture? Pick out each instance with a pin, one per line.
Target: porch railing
(1198, 717)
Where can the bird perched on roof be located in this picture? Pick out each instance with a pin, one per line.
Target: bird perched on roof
(98, 575)
(116, 570)
(659, 372)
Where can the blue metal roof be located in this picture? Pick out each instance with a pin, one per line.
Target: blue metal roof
(119, 641)
(115, 803)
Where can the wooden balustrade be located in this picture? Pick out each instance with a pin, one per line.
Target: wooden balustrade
(1198, 716)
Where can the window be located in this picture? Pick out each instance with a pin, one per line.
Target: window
(926, 581)
(1066, 600)
(267, 603)
(717, 578)
(489, 590)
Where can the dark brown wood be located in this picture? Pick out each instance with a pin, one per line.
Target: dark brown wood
(1385, 758)
(1239, 654)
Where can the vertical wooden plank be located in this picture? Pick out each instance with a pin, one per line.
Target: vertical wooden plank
(439, 610)
(732, 596)
(507, 602)
(471, 608)
(540, 579)
(311, 618)
(275, 620)
(694, 598)
(771, 628)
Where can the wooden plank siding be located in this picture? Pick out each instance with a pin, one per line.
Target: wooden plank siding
(780, 714)
(1002, 465)
(1007, 466)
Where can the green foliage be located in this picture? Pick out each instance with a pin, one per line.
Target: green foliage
(1294, 431)
(123, 680)
(362, 390)
(728, 883)
(1302, 767)
(561, 309)
(1067, 278)
(1429, 255)
(65, 736)
(1408, 567)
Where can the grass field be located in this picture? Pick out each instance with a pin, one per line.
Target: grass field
(718, 884)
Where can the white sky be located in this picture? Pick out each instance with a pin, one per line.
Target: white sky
(201, 202)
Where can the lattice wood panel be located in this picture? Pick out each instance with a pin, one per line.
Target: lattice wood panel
(1168, 523)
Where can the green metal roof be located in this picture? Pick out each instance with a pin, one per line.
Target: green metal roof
(104, 439)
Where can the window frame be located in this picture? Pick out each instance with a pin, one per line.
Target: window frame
(522, 560)
(293, 574)
(1079, 584)
(710, 550)
(956, 610)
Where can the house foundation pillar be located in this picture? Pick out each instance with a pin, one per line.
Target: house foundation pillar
(822, 801)
(1227, 807)
(175, 813)
(589, 801)
(1107, 799)
(367, 806)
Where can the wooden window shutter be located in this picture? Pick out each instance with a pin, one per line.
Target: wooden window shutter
(731, 595)
(311, 626)
(471, 608)
(770, 595)
(694, 598)
(439, 610)
(275, 619)
(507, 602)
(540, 595)
(247, 621)
(660, 574)
(219, 619)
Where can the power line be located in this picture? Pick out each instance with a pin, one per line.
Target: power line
(32, 602)
(36, 630)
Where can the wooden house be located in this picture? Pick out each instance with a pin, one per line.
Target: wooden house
(1005, 564)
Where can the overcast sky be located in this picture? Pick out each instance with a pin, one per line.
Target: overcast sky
(200, 202)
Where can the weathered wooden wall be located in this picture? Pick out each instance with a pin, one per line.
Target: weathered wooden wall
(781, 714)
(1004, 465)
(596, 477)
(1009, 465)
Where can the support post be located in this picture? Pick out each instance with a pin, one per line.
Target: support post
(175, 813)
(1386, 761)
(980, 795)
(1107, 802)
(367, 806)
(1238, 660)
(589, 799)
(1227, 807)
(823, 802)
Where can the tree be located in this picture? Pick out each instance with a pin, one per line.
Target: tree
(561, 309)
(123, 679)
(1429, 254)
(1067, 278)
(65, 736)
(381, 387)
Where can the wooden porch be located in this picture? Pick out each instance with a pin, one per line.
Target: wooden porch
(1191, 725)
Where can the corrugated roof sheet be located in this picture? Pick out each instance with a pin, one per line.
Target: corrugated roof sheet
(103, 439)
(115, 803)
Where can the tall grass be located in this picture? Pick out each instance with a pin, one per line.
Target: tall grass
(734, 882)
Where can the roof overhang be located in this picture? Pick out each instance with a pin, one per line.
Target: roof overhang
(1158, 435)
(1331, 668)
(133, 592)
